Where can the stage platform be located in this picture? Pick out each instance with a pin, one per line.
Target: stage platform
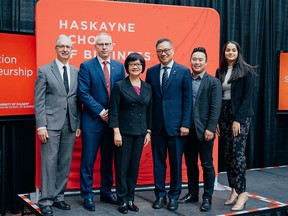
(267, 190)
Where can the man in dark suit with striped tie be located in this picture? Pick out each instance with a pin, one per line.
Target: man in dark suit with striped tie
(172, 105)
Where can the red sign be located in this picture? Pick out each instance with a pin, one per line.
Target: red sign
(283, 82)
(17, 74)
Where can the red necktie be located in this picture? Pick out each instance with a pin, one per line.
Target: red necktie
(107, 76)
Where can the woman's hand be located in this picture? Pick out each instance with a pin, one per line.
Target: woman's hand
(117, 137)
(218, 130)
(235, 128)
(147, 139)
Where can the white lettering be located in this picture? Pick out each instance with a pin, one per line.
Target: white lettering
(7, 60)
(63, 24)
(96, 26)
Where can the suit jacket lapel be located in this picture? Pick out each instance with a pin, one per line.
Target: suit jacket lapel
(144, 91)
(201, 87)
(73, 78)
(112, 73)
(129, 90)
(157, 74)
(171, 75)
(100, 72)
(56, 72)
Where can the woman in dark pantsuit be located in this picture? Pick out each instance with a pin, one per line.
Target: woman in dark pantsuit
(130, 116)
(237, 78)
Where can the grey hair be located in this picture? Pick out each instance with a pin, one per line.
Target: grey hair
(61, 37)
(102, 34)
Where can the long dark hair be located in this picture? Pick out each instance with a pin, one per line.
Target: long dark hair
(240, 68)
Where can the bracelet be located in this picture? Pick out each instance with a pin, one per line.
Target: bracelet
(149, 131)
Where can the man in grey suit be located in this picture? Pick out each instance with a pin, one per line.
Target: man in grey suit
(57, 114)
(207, 98)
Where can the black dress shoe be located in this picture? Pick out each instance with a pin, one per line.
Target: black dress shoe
(159, 203)
(188, 198)
(61, 205)
(206, 205)
(46, 210)
(109, 199)
(172, 205)
(132, 206)
(123, 209)
(89, 205)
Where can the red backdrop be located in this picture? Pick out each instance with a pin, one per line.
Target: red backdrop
(134, 28)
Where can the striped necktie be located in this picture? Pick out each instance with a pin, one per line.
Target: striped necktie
(164, 79)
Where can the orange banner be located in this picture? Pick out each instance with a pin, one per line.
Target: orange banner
(17, 74)
(283, 82)
(134, 27)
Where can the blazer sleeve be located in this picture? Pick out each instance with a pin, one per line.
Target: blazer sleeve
(39, 99)
(84, 89)
(246, 100)
(215, 104)
(114, 107)
(149, 113)
(187, 99)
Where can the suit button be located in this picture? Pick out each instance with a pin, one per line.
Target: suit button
(131, 114)
(139, 124)
(133, 104)
(130, 124)
(140, 114)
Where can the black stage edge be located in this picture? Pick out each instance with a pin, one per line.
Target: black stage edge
(267, 190)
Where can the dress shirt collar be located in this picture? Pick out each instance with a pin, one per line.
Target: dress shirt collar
(101, 60)
(200, 76)
(169, 65)
(60, 65)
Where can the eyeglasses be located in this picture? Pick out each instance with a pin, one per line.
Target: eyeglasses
(63, 47)
(104, 44)
(138, 65)
(166, 51)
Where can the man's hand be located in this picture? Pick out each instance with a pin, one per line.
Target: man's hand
(208, 135)
(43, 135)
(184, 131)
(78, 132)
(104, 116)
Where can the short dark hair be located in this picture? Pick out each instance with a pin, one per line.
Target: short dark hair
(161, 40)
(199, 49)
(134, 57)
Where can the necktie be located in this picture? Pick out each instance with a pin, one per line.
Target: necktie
(164, 79)
(107, 76)
(65, 79)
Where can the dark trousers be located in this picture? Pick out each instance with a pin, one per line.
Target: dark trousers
(204, 149)
(127, 161)
(175, 146)
(90, 145)
(234, 148)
